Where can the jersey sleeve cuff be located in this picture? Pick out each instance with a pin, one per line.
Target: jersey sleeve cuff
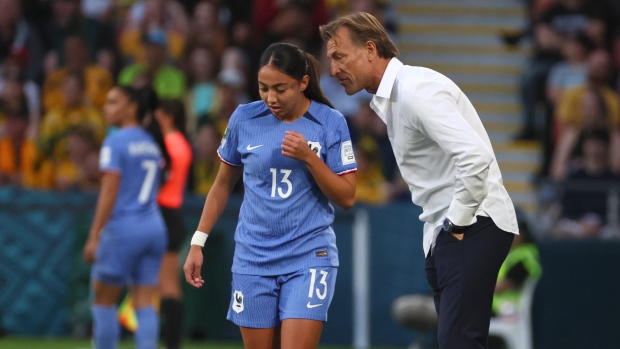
(353, 170)
(110, 169)
(225, 161)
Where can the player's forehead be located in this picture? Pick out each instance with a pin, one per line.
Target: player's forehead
(271, 76)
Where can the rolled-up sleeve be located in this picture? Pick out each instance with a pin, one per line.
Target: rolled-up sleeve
(434, 112)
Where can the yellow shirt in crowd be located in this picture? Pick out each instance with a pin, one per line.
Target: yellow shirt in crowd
(97, 82)
(569, 106)
(131, 46)
(32, 177)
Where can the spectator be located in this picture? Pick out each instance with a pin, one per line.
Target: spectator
(206, 29)
(19, 39)
(365, 122)
(521, 264)
(168, 15)
(83, 164)
(18, 152)
(98, 80)
(168, 81)
(58, 124)
(290, 21)
(202, 100)
(235, 58)
(564, 18)
(573, 115)
(68, 21)
(572, 71)
(100, 10)
(155, 16)
(583, 214)
(371, 187)
(206, 161)
(231, 93)
(13, 85)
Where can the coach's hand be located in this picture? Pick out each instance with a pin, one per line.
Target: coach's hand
(192, 266)
(90, 249)
(295, 146)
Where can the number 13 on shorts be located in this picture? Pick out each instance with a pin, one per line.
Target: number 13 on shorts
(320, 283)
(320, 292)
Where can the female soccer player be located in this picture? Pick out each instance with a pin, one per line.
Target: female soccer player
(170, 116)
(127, 238)
(295, 154)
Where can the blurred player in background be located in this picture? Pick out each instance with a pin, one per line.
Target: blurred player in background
(170, 116)
(295, 154)
(127, 239)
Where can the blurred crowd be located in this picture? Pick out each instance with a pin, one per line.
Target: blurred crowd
(59, 58)
(571, 103)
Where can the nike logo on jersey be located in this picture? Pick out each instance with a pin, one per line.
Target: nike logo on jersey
(310, 306)
(254, 147)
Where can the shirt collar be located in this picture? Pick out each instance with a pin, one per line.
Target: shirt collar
(389, 76)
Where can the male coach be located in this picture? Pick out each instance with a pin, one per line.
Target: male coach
(446, 158)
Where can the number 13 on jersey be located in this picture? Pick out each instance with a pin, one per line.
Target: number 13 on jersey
(277, 187)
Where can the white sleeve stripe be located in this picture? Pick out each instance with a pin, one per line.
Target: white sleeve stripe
(347, 171)
(111, 169)
(226, 162)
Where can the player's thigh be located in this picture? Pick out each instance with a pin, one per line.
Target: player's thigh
(260, 338)
(300, 334)
(106, 295)
(307, 293)
(143, 295)
(254, 301)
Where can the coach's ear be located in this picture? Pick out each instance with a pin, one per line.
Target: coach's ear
(371, 50)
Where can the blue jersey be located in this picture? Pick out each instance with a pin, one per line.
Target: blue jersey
(285, 219)
(133, 154)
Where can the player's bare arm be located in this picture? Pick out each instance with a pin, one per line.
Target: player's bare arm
(107, 197)
(227, 177)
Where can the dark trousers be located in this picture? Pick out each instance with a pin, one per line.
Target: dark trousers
(462, 274)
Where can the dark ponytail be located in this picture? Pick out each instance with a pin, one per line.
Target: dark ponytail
(314, 91)
(147, 101)
(294, 62)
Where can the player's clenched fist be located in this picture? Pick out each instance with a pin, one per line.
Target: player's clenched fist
(295, 146)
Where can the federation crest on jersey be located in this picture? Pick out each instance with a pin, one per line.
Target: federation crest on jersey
(346, 153)
(238, 301)
(316, 147)
(224, 136)
(105, 156)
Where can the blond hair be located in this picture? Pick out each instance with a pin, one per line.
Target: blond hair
(363, 27)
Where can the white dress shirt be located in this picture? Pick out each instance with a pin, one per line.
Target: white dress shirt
(442, 149)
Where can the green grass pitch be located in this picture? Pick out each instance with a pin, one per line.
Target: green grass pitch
(55, 343)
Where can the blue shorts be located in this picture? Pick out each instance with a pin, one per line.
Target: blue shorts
(264, 301)
(130, 258)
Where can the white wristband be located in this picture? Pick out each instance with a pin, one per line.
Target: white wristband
(199, 238)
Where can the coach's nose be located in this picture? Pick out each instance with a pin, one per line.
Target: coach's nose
(333, 69)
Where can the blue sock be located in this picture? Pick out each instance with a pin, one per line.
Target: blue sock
(106, 328)
(147, 334)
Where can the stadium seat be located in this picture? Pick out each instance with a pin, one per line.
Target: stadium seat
(516, 330)
(416, 312)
